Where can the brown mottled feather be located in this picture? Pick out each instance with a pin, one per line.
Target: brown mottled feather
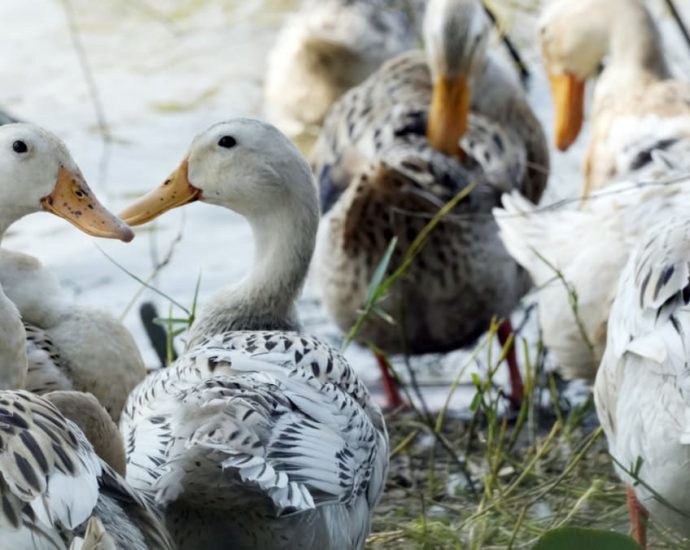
(381, 179)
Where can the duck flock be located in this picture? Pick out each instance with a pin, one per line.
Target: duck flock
(261, 436)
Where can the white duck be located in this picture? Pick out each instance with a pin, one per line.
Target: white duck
(51, 479)
(257, 436)
(575, 256)
(637, 108)
(326, 48)
(69, 346)
(642, 390)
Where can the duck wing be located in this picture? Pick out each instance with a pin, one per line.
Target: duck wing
(283, 417)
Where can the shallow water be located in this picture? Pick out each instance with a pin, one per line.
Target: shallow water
(164, 73)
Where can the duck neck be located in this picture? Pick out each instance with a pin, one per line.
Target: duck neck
(10, 214)
(635, 48)
(13, 359)
(265, 298)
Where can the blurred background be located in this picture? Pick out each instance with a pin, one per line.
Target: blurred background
(128, 83)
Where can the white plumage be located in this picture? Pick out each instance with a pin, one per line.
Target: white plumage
(51, 479)
(642, 390)
(69, 347)
(68, 344)
(575, 257)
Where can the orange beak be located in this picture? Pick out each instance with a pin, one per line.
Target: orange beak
(450, 107)
(568, 94)
(72, 200)
(175, 191)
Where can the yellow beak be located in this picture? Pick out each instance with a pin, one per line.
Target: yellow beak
(174, 192)
(450, 107)
(568, 94)
(72, 200)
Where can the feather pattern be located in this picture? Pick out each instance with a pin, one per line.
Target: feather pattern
(51, 482)
(642, 390)
(392, 106)
(286, 421)
(380, 178)
(95, 537)
(627, 129)
(542, 241)
(257, 436)
(48, 369)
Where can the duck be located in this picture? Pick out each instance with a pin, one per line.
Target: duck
(575, 250)
(258, 436)
(392, 151)
(53, 484)
(327, 47)
(69, 345)
(638, 107)
(641, 387)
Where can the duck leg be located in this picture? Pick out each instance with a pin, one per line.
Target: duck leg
(517, 389)
(390, 385)
(638, 518)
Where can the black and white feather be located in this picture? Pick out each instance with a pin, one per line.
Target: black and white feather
(266, 439)
(48, 369)
(52, 482)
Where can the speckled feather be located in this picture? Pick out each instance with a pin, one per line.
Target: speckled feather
(302, 451)
(393, 104)
(380, 178)
(48, 370)
(51, 482)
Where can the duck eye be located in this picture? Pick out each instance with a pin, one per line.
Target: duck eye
(227, 141)
(19, 146)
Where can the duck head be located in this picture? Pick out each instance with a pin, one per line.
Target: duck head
(574, 41)
(242, 164)
(37, 173)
